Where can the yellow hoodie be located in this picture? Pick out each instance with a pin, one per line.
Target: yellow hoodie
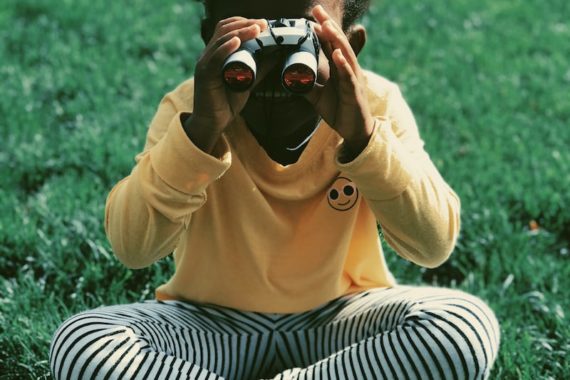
(251, 234)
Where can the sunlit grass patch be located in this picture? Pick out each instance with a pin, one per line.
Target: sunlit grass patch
(488, 82)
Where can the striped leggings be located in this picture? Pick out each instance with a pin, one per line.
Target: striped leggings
(394, 333)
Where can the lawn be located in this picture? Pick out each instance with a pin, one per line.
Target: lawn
(489, 85)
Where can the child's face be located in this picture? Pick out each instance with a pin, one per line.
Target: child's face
(270, 116)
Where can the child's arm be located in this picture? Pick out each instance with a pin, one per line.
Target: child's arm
(419, 213)
(383, 154)
(342, 100)
(146, 212)
(184, 152)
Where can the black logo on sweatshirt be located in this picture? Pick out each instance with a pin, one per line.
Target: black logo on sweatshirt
(343, 194)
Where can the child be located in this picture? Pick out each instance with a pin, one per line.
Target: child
(270, 204)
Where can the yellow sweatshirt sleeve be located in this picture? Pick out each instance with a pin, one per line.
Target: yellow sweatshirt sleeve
(418, 212)
(146, 212)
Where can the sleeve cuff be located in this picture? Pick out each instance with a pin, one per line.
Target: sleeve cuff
(384, 169)
(184, 166)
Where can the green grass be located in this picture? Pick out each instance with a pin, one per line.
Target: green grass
(488, 82)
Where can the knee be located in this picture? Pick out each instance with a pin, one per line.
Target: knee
(64, 342)
(75, 341)
(480, 329)
(466, 328)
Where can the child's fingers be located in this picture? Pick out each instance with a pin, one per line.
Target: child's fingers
(338, 40)
(242, 34)
(320, 14)
(212, 64)
(232, 24)
(241, 23)
(329, 30)
(229, 20)
(327, 49)
(225, 49)
(348, 81)
(323, 17)
(325, 44)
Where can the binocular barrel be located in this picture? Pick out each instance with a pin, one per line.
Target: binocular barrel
(298, 75)
(299, 71)
(239, 71)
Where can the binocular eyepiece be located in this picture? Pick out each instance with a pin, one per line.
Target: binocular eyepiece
(299, 71)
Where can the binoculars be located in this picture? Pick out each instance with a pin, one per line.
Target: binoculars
(296, 38)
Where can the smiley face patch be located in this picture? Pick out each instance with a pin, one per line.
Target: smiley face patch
(343, 194)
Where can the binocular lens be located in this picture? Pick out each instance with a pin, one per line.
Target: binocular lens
(238, 76)
(299, 78)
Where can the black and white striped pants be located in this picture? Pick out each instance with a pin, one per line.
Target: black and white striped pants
(396, 333)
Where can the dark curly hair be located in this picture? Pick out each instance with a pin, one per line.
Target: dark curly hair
(353, 10)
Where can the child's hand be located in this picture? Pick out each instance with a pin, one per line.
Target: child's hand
(342, 101)
(215, 106)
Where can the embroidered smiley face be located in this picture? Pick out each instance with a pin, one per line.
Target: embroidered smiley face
(343, 194)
